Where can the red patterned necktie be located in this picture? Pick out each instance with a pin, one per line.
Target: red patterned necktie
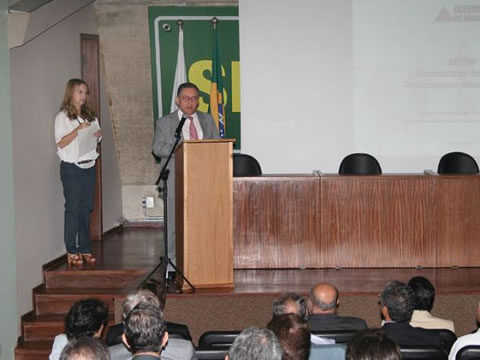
(193, 129)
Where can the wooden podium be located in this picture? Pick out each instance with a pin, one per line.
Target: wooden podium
(204, 212)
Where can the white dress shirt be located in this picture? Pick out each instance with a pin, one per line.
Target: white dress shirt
(70, 153)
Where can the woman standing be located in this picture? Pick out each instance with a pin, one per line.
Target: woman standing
(77, 168)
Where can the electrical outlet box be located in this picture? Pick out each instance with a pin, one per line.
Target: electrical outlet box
(149, 202)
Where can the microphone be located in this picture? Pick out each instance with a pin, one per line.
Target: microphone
(180, 126)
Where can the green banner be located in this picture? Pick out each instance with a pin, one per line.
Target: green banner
(198, 48)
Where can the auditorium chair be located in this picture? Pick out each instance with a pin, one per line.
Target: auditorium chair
(457, 163)
(359, 164)
(340, 336)
(470, 352)
(245, 165)
(210, 354)
(217, 340)
(423, 353)
(447, 338)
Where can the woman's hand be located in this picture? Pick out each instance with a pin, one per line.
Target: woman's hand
(82, 126)
(98, 133)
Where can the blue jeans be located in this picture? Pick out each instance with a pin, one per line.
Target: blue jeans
(78, 190)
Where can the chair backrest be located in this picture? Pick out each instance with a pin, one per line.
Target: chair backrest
(457, 163)
(245, 165)
(331, 352)
(470, 352)
(340, 336)
(217, 340)
(447, 338)
(210, 354)
(423, 353)
(359, 164)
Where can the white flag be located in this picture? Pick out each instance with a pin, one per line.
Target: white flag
(180, 71)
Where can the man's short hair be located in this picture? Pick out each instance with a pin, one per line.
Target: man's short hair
(144, 328)
(187, 85)
(85, 318)
(318, 303)
(372, 344)
(139, 297)
(399, 300)
(279, 306)
(255, 344)
(424, 293)
(85, 348)
(294, 336)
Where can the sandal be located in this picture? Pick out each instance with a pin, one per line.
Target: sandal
(74, 259)
(89, 258)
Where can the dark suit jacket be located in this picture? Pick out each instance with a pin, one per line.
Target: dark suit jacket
(405, 334)
(114, 333)
(332, 322)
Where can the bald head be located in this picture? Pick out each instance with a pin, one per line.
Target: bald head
(323, 298)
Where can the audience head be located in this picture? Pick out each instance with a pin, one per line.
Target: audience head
(424, 293)
(145, 329)
(139, 297)
(290, 303)
(86, 318)
(397, 301)
(323, 299)
(372, 344)
(255, 344)
(85, 348)
(294, 336)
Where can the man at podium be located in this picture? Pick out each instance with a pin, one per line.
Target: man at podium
(197, 126)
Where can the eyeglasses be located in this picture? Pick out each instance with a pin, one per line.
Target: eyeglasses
(189, 98)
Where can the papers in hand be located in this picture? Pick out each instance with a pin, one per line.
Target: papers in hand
(87, 141)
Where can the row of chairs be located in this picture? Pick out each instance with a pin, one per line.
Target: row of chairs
(471, 352)
(365, 164)
(215, 344)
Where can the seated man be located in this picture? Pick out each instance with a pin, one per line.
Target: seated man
(372, 344)
(469, 339)
(145, 333)
(323, 304)
(178, 349)
(114, 333)
(424, 299)
(255, 344)
(291, 303)
(397, 302)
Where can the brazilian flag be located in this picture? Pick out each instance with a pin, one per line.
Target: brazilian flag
(217, 109)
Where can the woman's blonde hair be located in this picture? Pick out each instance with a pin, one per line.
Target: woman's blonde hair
(86, 112)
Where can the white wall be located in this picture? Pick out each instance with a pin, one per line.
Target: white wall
(8, 308)
(40, 70)
(399, 79)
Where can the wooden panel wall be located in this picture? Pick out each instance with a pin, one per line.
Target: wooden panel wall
(366, 219)
(276, 222)
(456, 220)
(356, 221)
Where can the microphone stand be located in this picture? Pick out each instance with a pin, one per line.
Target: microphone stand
(163, 188)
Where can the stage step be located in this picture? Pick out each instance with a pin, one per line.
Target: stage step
(42, 327)
(33, 350)
(46, 327)
(91, 278)
(59, 301)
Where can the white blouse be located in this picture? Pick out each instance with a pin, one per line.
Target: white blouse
(70, 153)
